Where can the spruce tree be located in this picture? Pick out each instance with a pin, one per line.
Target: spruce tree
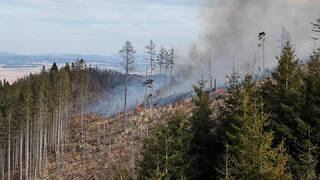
(254, 157)
(286, 74)
(308, 160)
(164, 155)
(201, 152)
(283, 99)
(229, 121)
(226, 167)
(311, 108)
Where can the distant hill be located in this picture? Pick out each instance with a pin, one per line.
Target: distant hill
(13, 65)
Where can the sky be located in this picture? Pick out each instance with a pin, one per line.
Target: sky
(95, 26)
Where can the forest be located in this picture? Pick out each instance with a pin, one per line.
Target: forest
(35, 112)
(268, 128)
(261, 124)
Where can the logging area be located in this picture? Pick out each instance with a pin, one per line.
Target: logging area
(242, 101)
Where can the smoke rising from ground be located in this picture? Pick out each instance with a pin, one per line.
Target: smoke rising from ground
(230, 31)
(231, 27)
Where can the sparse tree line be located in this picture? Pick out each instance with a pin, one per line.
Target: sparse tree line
(35, 112)
(267, 129)
(163, 61)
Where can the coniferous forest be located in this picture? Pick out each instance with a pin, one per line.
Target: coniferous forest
(266, 129)
(263, 127)
(163, 112)
(35, 113)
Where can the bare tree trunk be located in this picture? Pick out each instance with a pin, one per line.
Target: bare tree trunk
(41, 130)
(9, 146)
(160, 89)
(166, 156)
(2, 154)
(125, 93)
(146, 86)
(171, 75)
(45, 147)
(37, 145)
(40, 147)
(31, 151)
(21, 145)
(27, 151)
(127, 54)
(263, 57)
(81, 119)
(151, 73)
(209, 71)
(160, 74)
(16, 153)
(98, 138)
(165, 77)
(59, 131)
(104, 134)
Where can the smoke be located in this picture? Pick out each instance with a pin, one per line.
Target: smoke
(112, 101)
(230, 30)
(231, 27)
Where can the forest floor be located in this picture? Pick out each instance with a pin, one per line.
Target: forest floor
(111, 147)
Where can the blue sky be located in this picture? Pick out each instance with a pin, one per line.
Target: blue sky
(95, 26)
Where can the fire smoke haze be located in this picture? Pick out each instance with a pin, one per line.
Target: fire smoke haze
(231, 27)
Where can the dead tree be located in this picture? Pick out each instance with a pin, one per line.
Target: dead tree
(9, 145)
(262, 40)
(127, 54)
(151, 51)
(171, 63)
(161, 60)
(316, 30)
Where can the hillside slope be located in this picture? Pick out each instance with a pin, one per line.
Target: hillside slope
(111, 147)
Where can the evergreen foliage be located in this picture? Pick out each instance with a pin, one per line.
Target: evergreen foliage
(308, 160)
(164, 151)
(253, 156)
(284, 101)
(311, 107)
(201, 153)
